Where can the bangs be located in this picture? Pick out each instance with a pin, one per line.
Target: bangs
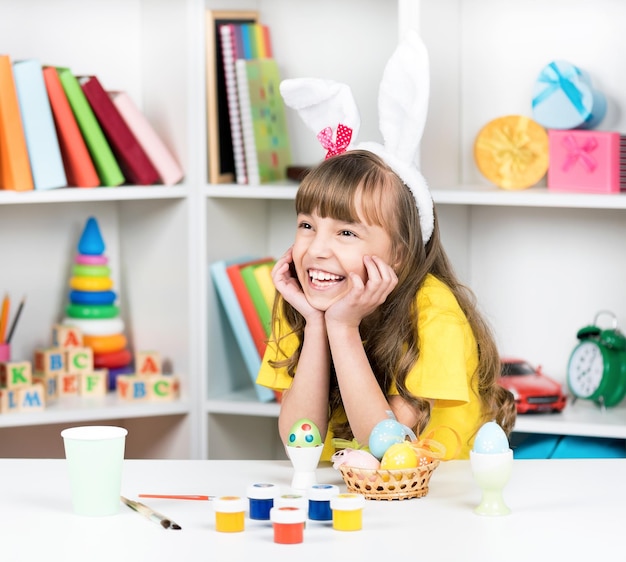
(348, 188)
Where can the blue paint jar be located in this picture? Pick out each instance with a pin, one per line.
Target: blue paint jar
(261, 497)
(319, 501)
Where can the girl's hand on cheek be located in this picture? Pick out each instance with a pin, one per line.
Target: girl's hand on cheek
(289, 287)
(364, 298)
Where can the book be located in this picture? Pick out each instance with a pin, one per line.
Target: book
(15, 171)
(255, 291)
(253, 320)
(44, 153)
(237, 322)
(79, 168)
(230, 53)
(265, 135)
(163, 160)
(133, 161)
(108, 169)
(263, 274)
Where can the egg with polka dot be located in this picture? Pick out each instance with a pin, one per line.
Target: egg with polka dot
(304, 433)
(385, 434)
(491, 439)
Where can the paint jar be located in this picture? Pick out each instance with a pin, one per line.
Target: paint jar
(347, 512)
(261, 497)
(319, 501)
(229, 514)
(288, 524)
(292, 500)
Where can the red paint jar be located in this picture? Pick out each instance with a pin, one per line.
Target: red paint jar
(288, 523)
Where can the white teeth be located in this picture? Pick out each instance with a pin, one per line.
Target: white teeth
(323, 275)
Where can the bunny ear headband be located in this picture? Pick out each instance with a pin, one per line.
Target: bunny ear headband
(329, 109)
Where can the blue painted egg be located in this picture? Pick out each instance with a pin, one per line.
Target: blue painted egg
(491, 439)
(385, 434)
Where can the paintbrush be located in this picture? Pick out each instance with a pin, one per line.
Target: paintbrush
(178, 497)
(148, 512)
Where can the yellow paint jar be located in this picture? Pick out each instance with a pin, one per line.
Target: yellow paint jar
(347, 512)
(229, 514)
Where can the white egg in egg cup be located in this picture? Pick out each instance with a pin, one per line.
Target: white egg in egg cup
(492, 472)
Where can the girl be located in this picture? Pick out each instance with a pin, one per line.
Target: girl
(370, 320)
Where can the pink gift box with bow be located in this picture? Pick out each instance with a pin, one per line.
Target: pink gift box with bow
(585, 161)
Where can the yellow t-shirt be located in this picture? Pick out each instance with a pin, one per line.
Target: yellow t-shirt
(443, 372)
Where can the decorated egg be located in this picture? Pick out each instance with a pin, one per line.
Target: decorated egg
(355, 458)
(304, 433)
(385, 434)
(491, 439)
(399, 456)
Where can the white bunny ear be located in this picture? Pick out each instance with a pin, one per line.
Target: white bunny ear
(403, 98)
(327, 108)
(403, 105)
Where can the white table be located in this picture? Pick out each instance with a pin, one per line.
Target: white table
(565, 510)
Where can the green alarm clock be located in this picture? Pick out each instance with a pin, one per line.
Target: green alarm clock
(596, 369)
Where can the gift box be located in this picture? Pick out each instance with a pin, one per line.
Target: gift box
(512, 152)
(586, 161)
(563, 98)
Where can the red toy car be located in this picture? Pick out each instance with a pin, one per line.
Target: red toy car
(533, 391)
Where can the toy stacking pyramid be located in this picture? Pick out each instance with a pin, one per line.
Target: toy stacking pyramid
(92, 306)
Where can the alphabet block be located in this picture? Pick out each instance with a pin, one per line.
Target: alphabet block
(9, 400)
(31, 398)
(148, 363)
(50, 384)
(132, 387)
(68, 384)
(164, 388)
(15, 374)
(79, 360)
(66, 336)
(49, 360)
(94, 383)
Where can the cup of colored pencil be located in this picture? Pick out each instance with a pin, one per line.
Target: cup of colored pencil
(8, 329)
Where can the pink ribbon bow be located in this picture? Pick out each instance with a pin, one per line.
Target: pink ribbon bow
(344, 135)
(579, 152)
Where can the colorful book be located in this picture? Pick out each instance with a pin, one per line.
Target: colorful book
(264, 312)
(44, 153)
(108, 169)
(230, 53)
(133, 161)
(266, 139)
(263, 274)
(79, 168)
(168, 168)
(15, 171)
(253, 320)
(237, 321)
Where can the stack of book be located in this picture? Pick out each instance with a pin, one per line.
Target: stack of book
(62, 130)
(256, 113)
(246, 290)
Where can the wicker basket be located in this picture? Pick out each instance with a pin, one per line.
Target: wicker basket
(389, 484)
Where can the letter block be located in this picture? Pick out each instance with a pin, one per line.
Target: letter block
(66, 336)
(79, 360)
(164, 387)
(132, 387)
(68, 384)
(94, 383)
(9, 400)
(148, 363)
(49, 360)
(15, 374)
(50, 384)
(31, 398)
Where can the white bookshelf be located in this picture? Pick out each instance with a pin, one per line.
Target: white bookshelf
(542, 264)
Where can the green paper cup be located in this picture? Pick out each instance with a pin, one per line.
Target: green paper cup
(95, 455)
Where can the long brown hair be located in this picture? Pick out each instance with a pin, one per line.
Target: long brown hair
(390, 333)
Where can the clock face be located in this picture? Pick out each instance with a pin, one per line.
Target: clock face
(585, 369)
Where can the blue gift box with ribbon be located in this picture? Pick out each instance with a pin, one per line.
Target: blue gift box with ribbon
(564, 98)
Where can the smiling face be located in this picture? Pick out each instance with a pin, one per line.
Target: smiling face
(346, 210)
